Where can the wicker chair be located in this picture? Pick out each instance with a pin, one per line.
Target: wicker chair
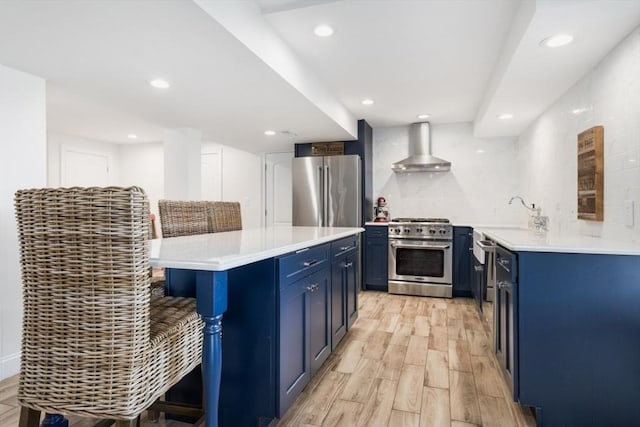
(224, 216)
(183, 218)
(95, 343)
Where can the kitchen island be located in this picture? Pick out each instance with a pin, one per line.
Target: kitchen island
(569, 328)
(240, 274)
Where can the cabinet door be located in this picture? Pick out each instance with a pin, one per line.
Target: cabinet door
(462, 254)
(319, 290)
(338, 301)
(376, 269)
(352, 267)
(294, 343)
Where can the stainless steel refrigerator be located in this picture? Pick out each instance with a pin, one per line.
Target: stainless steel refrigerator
(327, 191)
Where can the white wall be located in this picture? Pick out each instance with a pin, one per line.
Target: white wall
(609, 95)
(58, 142)
(24, 151)
(475, 191)
(142, 165)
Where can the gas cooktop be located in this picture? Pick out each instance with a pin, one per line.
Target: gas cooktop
(428, 220)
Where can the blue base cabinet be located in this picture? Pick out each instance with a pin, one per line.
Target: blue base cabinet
(318, 303)
(376, 257)
(462, 261)
(284, 317)
(577, 343)
(344, 287)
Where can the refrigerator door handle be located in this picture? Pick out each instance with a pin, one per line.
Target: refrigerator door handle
(325, 182)
(321, 193)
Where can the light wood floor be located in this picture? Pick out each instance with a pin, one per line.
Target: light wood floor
(407, 361)
(410, 361)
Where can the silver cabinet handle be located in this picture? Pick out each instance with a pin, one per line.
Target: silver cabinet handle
(345, 248)
(503, 284)
(313, 287)
(348, 264)
(478, 268)
(310, 262)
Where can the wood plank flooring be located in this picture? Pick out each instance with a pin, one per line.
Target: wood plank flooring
(407, 361)
(410, 361)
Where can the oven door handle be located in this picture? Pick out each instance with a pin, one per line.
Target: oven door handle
(404, 245)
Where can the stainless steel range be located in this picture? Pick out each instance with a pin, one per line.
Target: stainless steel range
(420, 256)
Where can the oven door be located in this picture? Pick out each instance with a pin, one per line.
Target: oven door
(420, 261)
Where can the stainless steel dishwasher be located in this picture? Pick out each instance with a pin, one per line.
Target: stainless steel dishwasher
(505, 315)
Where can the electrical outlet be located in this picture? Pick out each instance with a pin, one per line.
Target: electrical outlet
(628, 213)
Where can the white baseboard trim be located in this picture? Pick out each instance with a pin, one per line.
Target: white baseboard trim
(9, 365)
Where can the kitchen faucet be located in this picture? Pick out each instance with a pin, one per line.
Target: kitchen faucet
(537, 221)
(531, 208)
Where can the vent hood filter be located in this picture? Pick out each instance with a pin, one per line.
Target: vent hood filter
(420, 158)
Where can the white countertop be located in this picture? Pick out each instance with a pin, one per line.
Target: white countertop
(223, 251)
(521, 239)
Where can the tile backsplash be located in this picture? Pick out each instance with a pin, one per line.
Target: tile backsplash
(540, 165)
(609, 95)
(475, 191)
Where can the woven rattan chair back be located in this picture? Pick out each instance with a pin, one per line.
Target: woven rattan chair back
(89, 344)
(183, 218)
(224, 216)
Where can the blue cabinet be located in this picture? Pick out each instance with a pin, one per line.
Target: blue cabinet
(462, 261)
(305, 341)
(304, 320)
(344, 287)
(376, 257)
(319, 294)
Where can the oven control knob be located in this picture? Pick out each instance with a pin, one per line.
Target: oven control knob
(443, 231)
(418, 230)
(407, 230)
(432, 231)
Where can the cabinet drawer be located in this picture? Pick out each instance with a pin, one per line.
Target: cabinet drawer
(377, 231)
(300, 263)
(343, 246)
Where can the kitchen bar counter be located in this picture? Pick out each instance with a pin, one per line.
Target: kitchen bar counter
(236, 270)
(524, 240)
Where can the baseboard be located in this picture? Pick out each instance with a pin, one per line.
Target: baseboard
(9, 365)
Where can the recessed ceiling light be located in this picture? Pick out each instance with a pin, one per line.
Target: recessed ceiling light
(323, 30)
(505, 116)
(367, 101)
(422, 116)
(132, 136)
(269, 132)
(160, 84)
(479, 151)
(577, 111)
(557, 40)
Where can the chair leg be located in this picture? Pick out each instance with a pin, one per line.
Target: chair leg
(29, 417)
(128, 423)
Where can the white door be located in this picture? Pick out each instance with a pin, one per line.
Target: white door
(278, 188)
(83, 169)
(212, 175)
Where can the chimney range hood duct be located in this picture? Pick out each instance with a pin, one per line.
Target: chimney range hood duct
(420, 158)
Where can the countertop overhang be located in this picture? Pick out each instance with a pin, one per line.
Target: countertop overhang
(223, 251)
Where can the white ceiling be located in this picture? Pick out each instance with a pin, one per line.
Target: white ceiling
(239, 68)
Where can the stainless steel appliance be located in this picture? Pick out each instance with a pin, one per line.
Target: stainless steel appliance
(484, 269)
(420, 257)
(326, 191)
(505, 328)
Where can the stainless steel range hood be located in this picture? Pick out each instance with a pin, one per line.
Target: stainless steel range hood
(420, 158)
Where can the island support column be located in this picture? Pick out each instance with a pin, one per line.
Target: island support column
(211, 303)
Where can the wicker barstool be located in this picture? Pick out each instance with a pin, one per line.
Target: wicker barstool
(95, 343)
(183, 218)
(224, 216)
